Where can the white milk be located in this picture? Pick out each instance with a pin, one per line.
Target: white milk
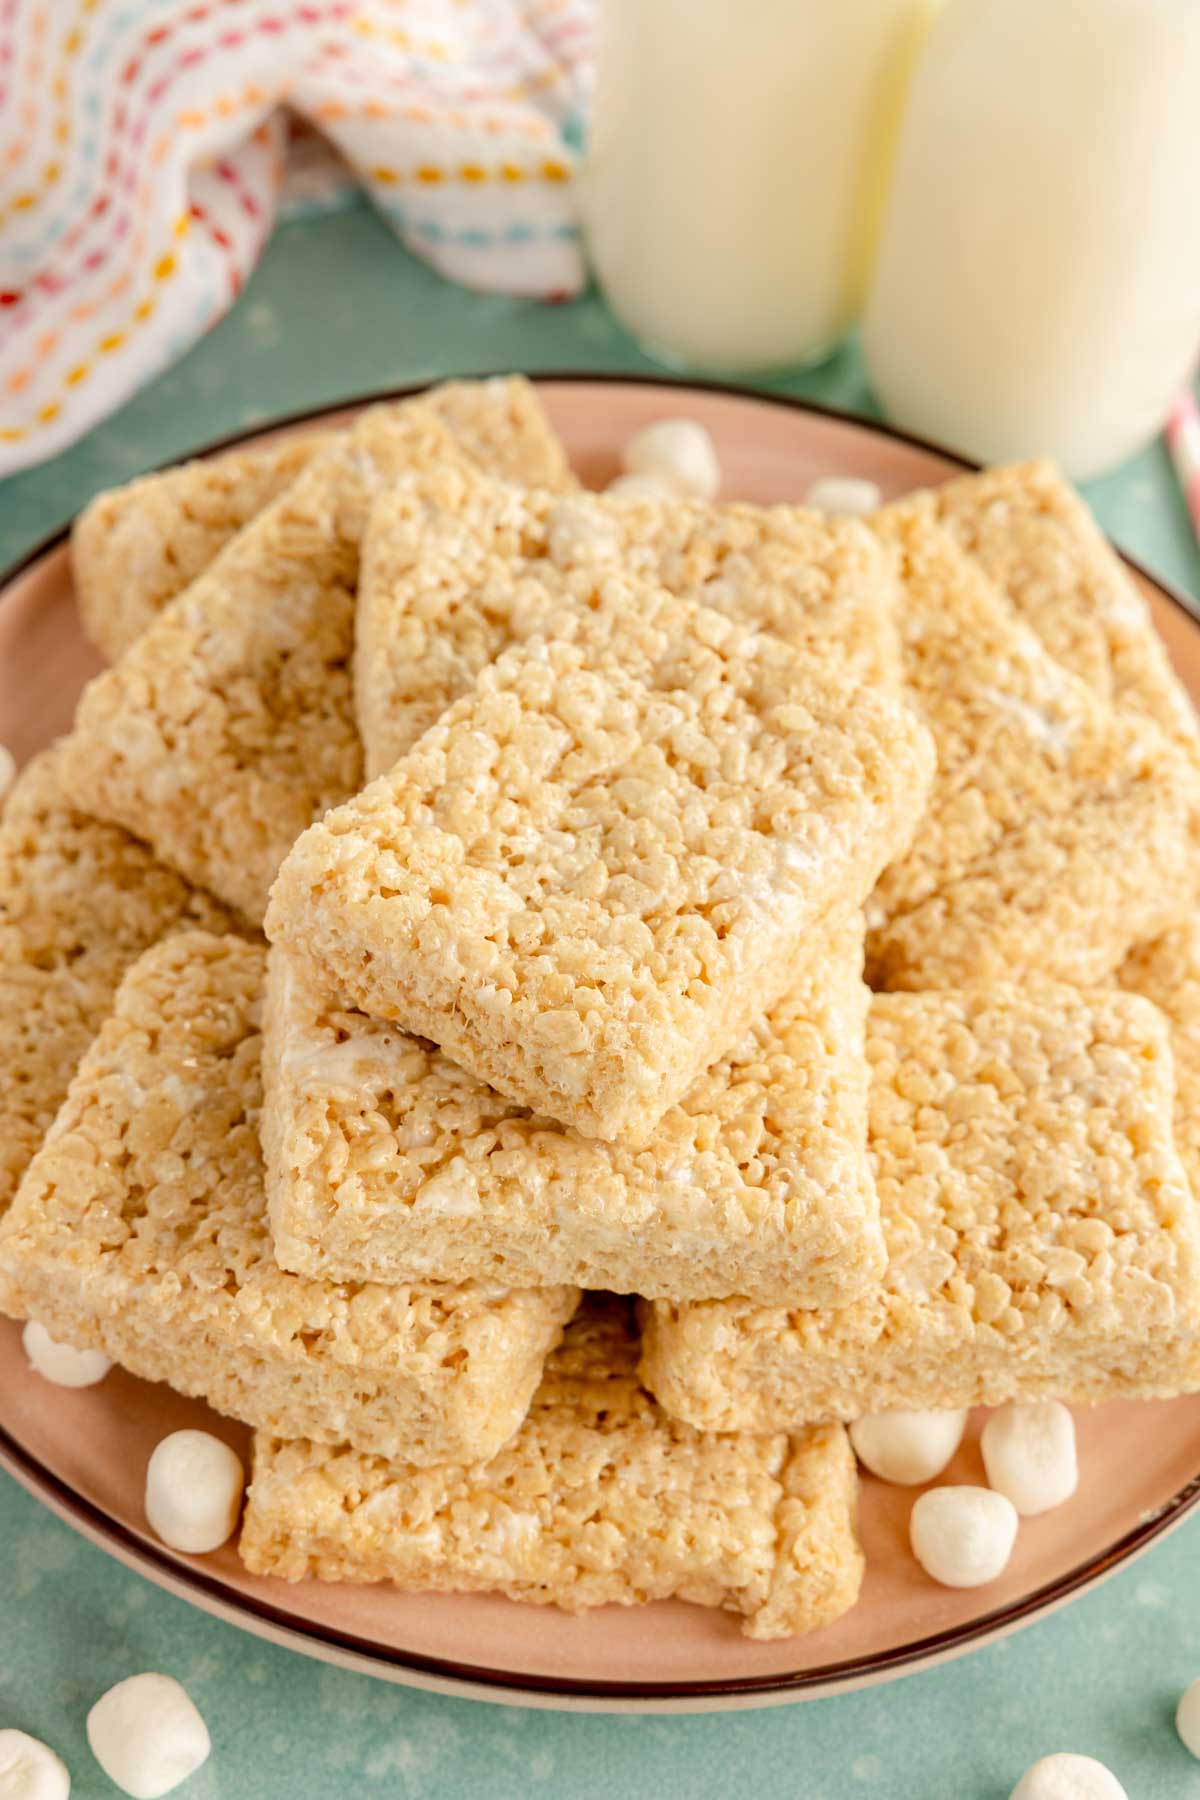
(1037, 286)
(736, 163)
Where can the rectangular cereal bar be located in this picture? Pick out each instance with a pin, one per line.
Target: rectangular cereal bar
(137, 546)
(229, 725)
(1033, 535)
(79, 902)
(600, 1499)
(1022, 861)
(609, 858)
(140, 1228)
(1167, 972)
(453, 571)
(386, 1161)
(1042, 1239)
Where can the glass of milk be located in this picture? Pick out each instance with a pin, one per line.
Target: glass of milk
(1037, 286)
(735, 169)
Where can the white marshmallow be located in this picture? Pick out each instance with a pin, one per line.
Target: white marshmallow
(29, 1769)
(1029, 1454)
(1067, 1777)
(843, 494)
(962, 1536)
(194, 1486)
(8, 774)
(62, 1363)
(147, 1736)
(577, 531)
(639, 487)
(1187, 1718)
(679, 454)
(907, 1447)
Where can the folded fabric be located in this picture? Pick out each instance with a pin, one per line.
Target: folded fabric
(143, 151)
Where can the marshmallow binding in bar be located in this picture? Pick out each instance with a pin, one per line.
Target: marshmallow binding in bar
(241, 689)
(386, 1161)
(140, 1229)
(599, 1499)
(1041, 1234)
(607, 860)
(79, 902)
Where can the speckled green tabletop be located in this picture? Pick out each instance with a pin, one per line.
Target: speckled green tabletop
(336, 309)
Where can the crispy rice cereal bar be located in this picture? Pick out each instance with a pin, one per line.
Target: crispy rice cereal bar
(454, 570)
(386, 1161)
(136, 547)
(229, 725)
(599, 1499)
(1035, 538)
(1168, 972)
(1023, 859)
(140, 1229)
(1042, 1239)
(79, 902)
(606, 861)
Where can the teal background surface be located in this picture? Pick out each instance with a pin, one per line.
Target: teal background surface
(337, 309)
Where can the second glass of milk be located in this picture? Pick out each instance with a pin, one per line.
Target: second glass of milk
(735, 169)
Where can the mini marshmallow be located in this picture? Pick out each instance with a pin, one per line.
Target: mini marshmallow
(1067, 1777)
(843, 494)
(1187, 1718)
(962, 1536)
(62, 1363)
(194, 1486)
(147, 1736)
(29, 1769)
(1029, 1454)
(577, 532)
(8, 774)
(907, 1447)
(677, 453)
(639, 487)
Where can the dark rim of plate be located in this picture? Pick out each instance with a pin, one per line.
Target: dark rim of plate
(216, 1596)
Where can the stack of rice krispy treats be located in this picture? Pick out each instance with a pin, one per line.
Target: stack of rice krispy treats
(548, 1005)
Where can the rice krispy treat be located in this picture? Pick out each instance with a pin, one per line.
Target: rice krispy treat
(1041, 1236)
(386, 1161)
(600, 1499)
(1022, 861)
(1167, 972)
(455, 569)
(79, 902)
(229, 725)
(1035, 538)
(608, 859)
(140, 1229)
(135, 547)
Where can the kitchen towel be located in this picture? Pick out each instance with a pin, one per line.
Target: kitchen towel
(143, 150)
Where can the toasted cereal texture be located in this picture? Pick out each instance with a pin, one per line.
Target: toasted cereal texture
(1167, 972)
(229, 725)
(386, 1161)
(601, 865)
(79, 902)
(1022, 861)
(600, 1499)
(454, 569)
(1041, 1236)
(140, 1229)
(135, 547)
(1035, 538)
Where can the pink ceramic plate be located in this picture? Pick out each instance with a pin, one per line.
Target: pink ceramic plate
(84, 1452)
